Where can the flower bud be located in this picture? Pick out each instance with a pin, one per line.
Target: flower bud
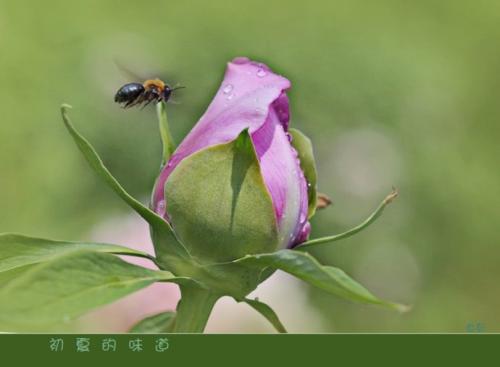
(234, 186)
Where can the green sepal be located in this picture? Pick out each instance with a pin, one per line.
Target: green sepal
(167, 246)
(266, 311)
(165, 135)
(231, 279)
(213, 197)
(303, 146)
(371, 218)
(307, 268)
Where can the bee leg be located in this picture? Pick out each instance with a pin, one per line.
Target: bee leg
(129, 104)
(136, 101)
(148, 102)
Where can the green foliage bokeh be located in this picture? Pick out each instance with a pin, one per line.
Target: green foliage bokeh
(391, 93)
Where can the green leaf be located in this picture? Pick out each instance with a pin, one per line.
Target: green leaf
(69, 285)
(213, 197)
(378, 211)
(9, 275)
(18, 250)
(160, 228)
(303, 145)
(166, 138)
(267, 312)
(163, 322)
(331, 279)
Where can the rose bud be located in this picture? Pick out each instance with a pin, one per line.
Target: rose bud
(234, 186)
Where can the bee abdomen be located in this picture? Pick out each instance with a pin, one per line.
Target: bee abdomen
(129, 92)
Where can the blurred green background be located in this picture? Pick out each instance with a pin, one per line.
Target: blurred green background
(391, 93)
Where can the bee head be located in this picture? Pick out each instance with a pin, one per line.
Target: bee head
(167, 92)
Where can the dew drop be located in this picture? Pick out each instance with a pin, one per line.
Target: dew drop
(227, 89)
(261, 73)
(230, 96)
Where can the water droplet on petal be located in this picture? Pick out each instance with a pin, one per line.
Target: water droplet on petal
(302, 218)
(230, 96)
(227, 89)
(261, 73)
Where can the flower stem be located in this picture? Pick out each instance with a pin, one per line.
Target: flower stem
(166, 136)
(352, 231)
(193, 309)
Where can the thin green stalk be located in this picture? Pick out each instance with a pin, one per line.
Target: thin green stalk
(166, 136)
(193, 309)
(352, 231)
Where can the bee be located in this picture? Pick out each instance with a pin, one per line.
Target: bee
(152, 90)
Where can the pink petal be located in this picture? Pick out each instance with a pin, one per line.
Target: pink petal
(251, 97)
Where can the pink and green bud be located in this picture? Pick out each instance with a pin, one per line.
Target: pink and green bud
(235, 186)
